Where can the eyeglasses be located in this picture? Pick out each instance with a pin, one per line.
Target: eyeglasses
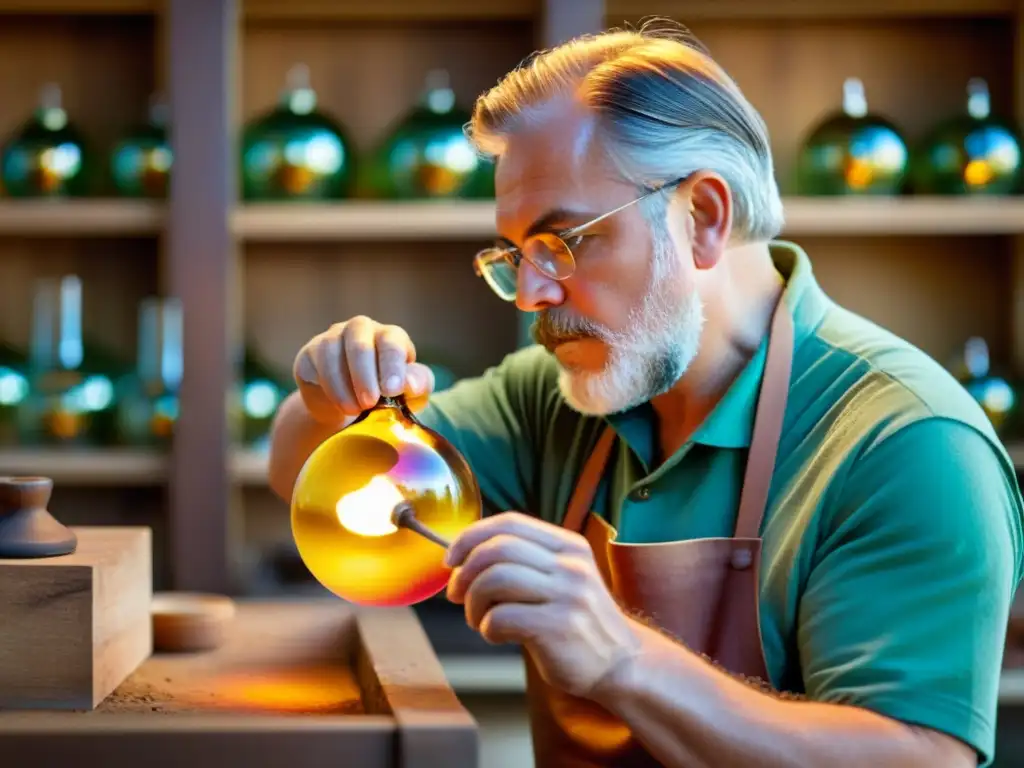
(550, 253)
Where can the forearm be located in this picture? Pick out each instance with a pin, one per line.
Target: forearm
(294, 435)
(688, 713)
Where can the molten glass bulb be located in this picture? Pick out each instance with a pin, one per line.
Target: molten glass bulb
(344, 498)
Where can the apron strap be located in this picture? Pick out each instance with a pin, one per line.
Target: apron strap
(590, 479)
(764, 442)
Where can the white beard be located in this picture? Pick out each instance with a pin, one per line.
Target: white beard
(661, 340)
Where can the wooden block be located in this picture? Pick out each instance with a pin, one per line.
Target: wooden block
(72, 628)
(297, 684)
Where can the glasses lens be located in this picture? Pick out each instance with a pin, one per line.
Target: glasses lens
(494, 267)
(550, 255)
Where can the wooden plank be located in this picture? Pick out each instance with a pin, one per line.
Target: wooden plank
(687, 10)
(80, 218)
(388, 10)
(1017, 256)
(202, 273)
(75, 626)
(401, 675)
(903, 216)
(280, 691)
(119, 7)
(563, 20)
(466, 220)
(269, 222)
(120, 467)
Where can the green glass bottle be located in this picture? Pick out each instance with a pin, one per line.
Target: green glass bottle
(295, 151)
(13, 391)
(140, 164)
(426, 154)
(46, 156)
(853, 152)
(262, 391)
(995, 394)
(975, 153)
(71, 398)
(148, 400)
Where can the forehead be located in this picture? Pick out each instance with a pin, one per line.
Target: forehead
(553, 162)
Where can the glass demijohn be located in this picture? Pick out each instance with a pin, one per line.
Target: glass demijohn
(47, 156)
(295, 151)
(853, 152)
(975, 153)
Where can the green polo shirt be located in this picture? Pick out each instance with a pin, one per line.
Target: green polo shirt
(892, 541)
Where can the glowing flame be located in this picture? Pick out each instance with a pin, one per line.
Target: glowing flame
(367, 511)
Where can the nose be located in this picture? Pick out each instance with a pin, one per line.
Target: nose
(535, 290)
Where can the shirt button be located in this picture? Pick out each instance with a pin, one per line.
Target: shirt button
(643, 493)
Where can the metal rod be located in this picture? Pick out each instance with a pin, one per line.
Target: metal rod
(404, 516)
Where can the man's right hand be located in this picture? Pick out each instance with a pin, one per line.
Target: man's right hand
(344, 371)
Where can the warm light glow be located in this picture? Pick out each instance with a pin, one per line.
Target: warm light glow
(367, 511)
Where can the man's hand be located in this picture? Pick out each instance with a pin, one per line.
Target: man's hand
(526, 581)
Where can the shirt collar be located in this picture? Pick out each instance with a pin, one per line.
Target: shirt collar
(731, 422)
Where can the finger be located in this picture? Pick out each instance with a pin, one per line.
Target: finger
(517, 623)
(361, 359)
(334, 378)
(506, 583)
(553, 537)
(394, 353)
(419, 385)
(500, 549)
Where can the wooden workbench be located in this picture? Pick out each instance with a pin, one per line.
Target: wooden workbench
(295, 684)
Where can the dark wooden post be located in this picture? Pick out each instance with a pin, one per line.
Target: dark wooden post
(202, 271)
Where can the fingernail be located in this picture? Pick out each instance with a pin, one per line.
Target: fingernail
(393, 384)
(413, 381)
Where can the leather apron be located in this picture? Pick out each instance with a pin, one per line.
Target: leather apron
(704, 592)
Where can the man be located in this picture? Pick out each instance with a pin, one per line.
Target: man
(733, 524)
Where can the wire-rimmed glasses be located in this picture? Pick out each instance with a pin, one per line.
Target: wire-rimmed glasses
(549, 252)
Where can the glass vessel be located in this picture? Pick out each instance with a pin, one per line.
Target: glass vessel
(263, 390)
(71, 399)
(975, 153)
(853, 152)
(13, 391)
(996, 396)
(148, 401)
(295, 151)
(426, 154)
(47, 156)
(140, 164)
(345, 494)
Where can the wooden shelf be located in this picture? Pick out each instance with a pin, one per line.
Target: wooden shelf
(904, 216)
(389, 10)
(358, 220)
(133, 7)
(688, 10)
(86, 466)
(80, 218)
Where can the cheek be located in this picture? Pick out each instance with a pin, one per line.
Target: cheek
(613, 280)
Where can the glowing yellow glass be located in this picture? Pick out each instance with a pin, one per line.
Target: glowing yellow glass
(345, 495)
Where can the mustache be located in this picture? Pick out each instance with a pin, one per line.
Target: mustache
(551, 329)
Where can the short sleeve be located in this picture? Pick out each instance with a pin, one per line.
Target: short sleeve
(494, 420)
(906, 606)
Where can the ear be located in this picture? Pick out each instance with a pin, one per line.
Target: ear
(708, 202)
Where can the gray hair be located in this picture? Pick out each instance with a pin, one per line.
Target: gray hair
(663, 107)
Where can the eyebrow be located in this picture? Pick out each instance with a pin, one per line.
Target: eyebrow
(545, 223)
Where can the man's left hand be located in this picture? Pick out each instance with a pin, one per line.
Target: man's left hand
(529, 582)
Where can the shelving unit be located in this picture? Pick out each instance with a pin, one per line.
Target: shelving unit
(935, 270)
